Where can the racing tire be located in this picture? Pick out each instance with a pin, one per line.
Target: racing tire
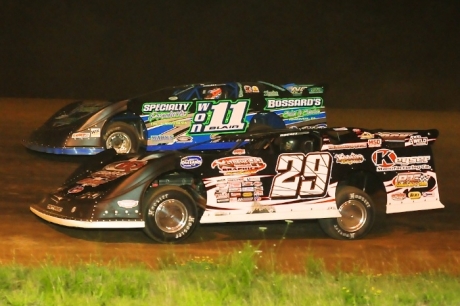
(170, 214)
(358, 215)
(122, 137)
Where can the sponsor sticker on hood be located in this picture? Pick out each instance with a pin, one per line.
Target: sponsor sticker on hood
(191, 162)
(128, 203)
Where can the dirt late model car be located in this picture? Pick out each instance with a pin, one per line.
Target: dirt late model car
(173, 118)
(330, 174)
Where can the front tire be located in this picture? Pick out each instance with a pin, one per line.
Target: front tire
(170, 214)
(358, 215)
(122, 137)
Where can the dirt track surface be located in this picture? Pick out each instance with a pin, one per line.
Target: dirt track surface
(407, 242)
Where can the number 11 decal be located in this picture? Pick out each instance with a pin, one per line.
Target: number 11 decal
(301, 175)
(220, 117)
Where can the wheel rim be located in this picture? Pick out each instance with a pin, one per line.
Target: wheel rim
(119, 141)
(354, 216)
(171, 216)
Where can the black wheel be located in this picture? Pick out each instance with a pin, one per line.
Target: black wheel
(170, 214)
(122, 137)
(358, 215)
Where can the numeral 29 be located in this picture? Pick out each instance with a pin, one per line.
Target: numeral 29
(301, 175)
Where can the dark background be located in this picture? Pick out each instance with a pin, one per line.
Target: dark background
(371, 54)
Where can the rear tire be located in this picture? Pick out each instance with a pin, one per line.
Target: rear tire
(122, 137)
(358, 215)
(170, 214)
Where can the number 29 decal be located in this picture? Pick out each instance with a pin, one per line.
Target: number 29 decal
(300, 175)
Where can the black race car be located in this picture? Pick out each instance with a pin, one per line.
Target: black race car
(175, 117)
(329, 174)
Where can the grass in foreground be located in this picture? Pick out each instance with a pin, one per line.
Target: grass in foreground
(235, 279)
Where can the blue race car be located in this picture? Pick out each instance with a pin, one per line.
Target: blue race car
(175, 117)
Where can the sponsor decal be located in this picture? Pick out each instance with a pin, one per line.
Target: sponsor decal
(251, 89)
(128, 203)
(235, 179)
(184, 138)
(415, 195)
(394, 136)
(398, 196)
(315, 90)
(411, 179)
(76, 189)
(348, 146)
(239, 165)
(161, 111)
(191, 162)
(293, 102)
(349, 159)
(126, 166)
(89, 195)
(159, 107)
(167, 115)
(162, 138)
(374, 143)
(418, 140)
(387, 160)
(54, 207)
(223, 195)
(166, 110)
(296, 90)
(81, 135)
(427, 194)
(220, 117)
(239, 152)
(271, 93)
(299, 113)
(258, 192)
(366, 135)
(95, 132)
(112, 172)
